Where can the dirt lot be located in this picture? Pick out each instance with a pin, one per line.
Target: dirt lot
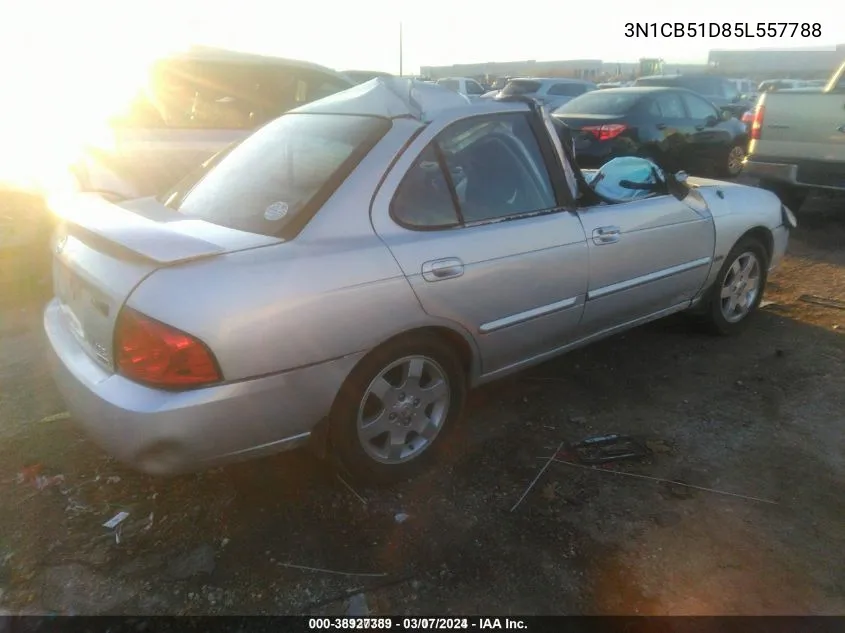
(759, 416)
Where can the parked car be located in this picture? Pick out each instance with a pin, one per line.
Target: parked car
(677, 128)
(721, 92)
(774, 85)
(349, 271)
(553, 93)
(361, 76)
(798, 141)
(197, 103)
(463, 85)
(190, 106)
(747, 90)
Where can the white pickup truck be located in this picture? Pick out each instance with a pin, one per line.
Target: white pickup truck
(798, 141)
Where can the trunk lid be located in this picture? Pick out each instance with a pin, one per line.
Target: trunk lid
(103, 251)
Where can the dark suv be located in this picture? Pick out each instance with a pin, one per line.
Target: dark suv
(722, 92)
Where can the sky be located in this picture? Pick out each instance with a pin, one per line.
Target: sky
(64, 65)
(364, 34)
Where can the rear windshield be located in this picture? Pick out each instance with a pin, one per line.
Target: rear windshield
(520, 87)
(273, 180)
(451, 84)
(655, 81)
(600, 102)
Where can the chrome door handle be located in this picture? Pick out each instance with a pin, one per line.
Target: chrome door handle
(606, 235)
(440, 269)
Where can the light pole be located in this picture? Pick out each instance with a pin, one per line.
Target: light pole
(400, 49)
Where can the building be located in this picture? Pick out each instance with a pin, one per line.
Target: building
(574, 68)
(780, 64)
(589, 69)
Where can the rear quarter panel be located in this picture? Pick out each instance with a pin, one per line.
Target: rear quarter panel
(333, 291)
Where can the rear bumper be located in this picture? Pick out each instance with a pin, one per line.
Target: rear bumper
(811, 174)
(778, 172)
(164, 433)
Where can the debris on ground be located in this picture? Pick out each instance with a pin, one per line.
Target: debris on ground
(56, 417)
(357, 606)
(32, 475)
(200, 560)
(670, 482)
(537, 478)
(332, 571)
(352, 490)
(401, 517)
(822, 301)
(116, 520)
(610, 448)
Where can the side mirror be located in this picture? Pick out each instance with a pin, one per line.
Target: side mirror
(726, 115)
(640, 186)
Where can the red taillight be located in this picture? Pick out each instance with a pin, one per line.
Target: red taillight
(748, 116)
(606, 132)
(158, 355)
(757, 123)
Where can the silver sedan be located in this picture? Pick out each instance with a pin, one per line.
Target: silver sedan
(344, 275)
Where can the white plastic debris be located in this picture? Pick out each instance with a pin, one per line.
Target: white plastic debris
(116, 520)
(401, 517)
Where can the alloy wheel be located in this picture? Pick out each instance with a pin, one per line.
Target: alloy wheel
(403, 409)
(741, 287)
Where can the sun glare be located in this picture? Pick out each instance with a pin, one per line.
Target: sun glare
(59, 99)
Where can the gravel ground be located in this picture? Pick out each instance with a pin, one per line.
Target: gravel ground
(758, 416)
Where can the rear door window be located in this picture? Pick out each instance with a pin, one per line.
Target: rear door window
(698, 108)
(671, 106)
(285, 170)
(568, 89)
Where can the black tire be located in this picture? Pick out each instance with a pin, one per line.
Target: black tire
(344, 443)
(730, 168)
(712, 314)
(790, 195)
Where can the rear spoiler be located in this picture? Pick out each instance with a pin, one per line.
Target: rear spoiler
(148, 229)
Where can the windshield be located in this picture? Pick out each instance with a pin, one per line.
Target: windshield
(600, 102)
(264, 183)
(520, 87)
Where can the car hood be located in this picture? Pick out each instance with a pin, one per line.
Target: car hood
(391, 97)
